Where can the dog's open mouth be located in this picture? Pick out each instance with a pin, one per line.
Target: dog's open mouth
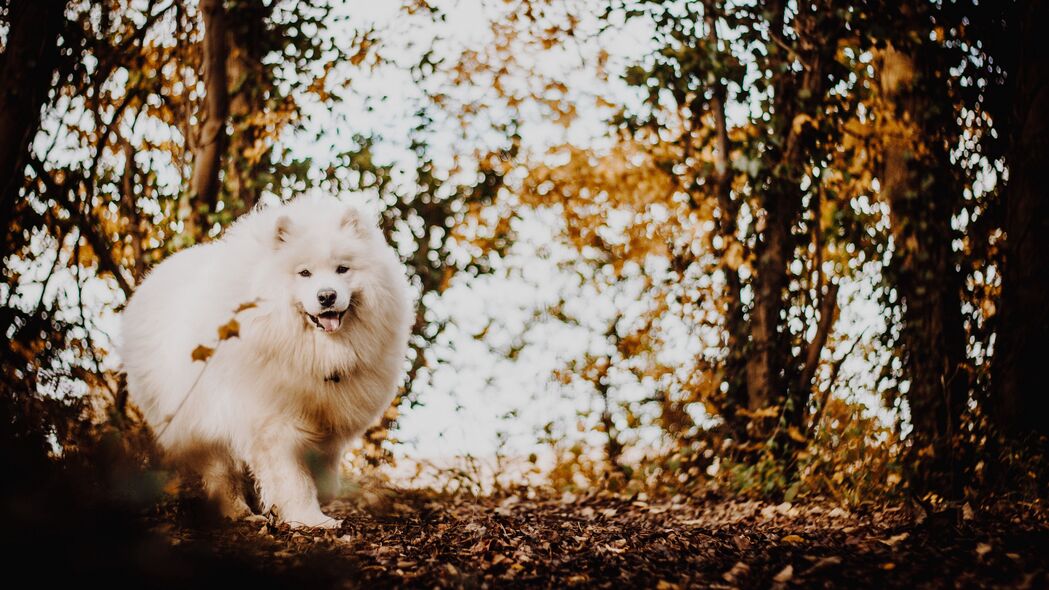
(329, 321)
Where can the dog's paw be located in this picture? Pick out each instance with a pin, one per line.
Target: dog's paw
(256, 519)
(315, 521)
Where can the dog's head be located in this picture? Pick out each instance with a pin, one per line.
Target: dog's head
(324, 255)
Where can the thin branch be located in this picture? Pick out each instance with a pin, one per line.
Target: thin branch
(825, 395)
(828, 313)
(77, 273)
(98, 243)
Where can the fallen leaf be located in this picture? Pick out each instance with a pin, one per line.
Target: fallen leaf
(983, 549)
(824, 562)
(230, 329)
(738, 571)
(784, 575)
(793, 539)
(895, 539)
(246, 306)
(202, 353)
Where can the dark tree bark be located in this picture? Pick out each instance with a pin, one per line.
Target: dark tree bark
(1021, 396)
(918, 183)
(27, 67)
(773, 371)
(211, 140)
(250, 86)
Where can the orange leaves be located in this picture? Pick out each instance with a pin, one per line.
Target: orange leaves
(202, 353)
(766, 412)
(362, 52)
(896, 71)
(734, 256)
(230, 329)
(622, 202)
(246, 306)
(800, 121)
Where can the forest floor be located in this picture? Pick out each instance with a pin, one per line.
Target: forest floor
(419, 539)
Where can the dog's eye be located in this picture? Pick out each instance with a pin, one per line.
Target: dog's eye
(305, 273)
(342, 270)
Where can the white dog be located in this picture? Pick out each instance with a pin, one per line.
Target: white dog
(323, 312)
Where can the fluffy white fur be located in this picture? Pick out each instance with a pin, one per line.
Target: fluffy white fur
(284, 398)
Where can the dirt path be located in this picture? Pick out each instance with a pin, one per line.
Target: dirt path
(420, 540)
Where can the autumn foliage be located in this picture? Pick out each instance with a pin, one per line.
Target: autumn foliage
(817, 227)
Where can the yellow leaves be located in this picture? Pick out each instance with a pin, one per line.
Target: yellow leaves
(202, 353)
(245, 306)
(895, 71)
(625, 202)
(766, 412)
(230, 329)
(793, 539)
(734, 256)
(446, 279)
(796, 435)
(603, 103)
(799, 123)
(362, 53)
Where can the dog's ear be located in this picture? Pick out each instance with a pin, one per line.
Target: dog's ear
(351, 220)
(281, 230)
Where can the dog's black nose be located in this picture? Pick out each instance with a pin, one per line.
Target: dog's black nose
(326, 297)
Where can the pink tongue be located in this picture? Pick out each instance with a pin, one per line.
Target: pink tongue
(330, 323)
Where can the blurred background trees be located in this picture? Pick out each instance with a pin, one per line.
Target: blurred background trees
(819, 225)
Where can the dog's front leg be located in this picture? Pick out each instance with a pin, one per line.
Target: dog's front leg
(285, 482)
(222, 484)
(326, 466)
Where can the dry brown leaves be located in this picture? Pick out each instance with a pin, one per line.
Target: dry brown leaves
(411, 538)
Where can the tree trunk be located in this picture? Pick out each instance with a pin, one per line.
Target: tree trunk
(250, 86)
(922, 194)
(1021, 401)
(211, 139)
(772, 369)
(765, 364)
(27, 66)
